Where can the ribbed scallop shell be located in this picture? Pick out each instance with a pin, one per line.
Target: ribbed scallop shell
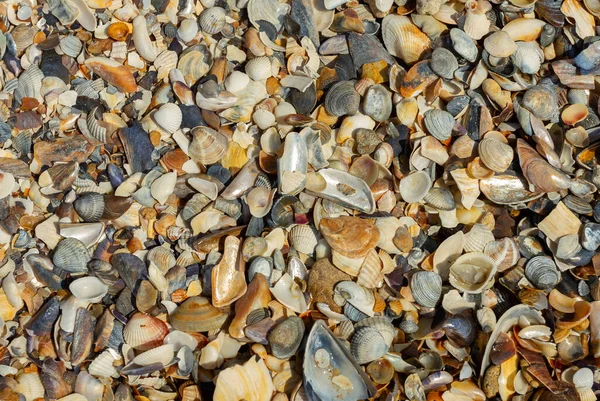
(168, 117)
(368, 344)
(163, 354)
(370, 274)
(303, 238)
(583, 378)
(259, 68)
(30, 83)
(379, 323)
(541, 271)
(342, 99)
(504, 253)
(102, 365)
(162, 257)
(426, 288)
(95, 129)
(212, 20)
(165, 62)
(30, 386)
(404, 39)
(270, 11)
(208, 146)
(90, 206)
(71, 45)
(528, 57)
(497, 156)
(440, 198)
(144, 332)
(477, 238)
(71, 255)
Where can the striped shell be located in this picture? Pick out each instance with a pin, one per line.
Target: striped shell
(426, 288)
(71, 255)
(477, 238)
(404, 39)
(371, 339)
(95, 129)
(212, 20)
(144, 332)
(303, 238)
(208, 146)
(168, 117)
(497, 156)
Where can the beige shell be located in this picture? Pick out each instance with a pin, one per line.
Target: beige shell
(524, 29)
(469, 187)
(472, 272)
(404, 39)
(477, 23)
(529, 57)
(162, 257)
(584, 22)
(500, 44)
(504, 253)
(208, 146)
(259, 68)
(303, 238)
(165, 62)
(212, 20)
(497, 156)
(370, 274)
(477, 238)
(168, 117)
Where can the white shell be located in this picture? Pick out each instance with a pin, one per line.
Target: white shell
(168, 117)
(415, 186)
(583, 378)
(478, 238)
(472, 272)
(259, 68)
(141, 39)
(163, 354)
(236, 81)
(212, 20)
(163, 186)
(89, 289)
(188, 29)
(102, 365)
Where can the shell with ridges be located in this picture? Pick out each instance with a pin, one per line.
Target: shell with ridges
(426, 288)
(403, 39)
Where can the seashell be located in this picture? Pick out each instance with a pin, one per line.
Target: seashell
(259, 68)
(464, 45)
(285, 337)
(146, 297)
(303, 239)
(443, 62)
(250, 381)
(29, 83)
(71, 256)
(162, 257)
(89, 289)
(340, 234)
(260, 201)
(469, 187)
(261, 13)
(212, 20)
(460, 329)
(542, 272)
(71, 45)
(163, 187)
(141, 39)
(496, 155)
(415, 186)
(90, 206)
(194, 63)
(342, 99)
(289, 294)
(30, 385)
(426, 288)
(114, 73)
(65, 11)
(196, 314)
(371, 339)
(499, 44)
(528, 57)
(102, 365)
(168, 117)
(359, 298)
(476, 23)
(82, 337)
(144, 332)
(208, 146)
(440, 198)
(403, 39)
(504, 253)
(341, 188)
(477, 238)
(439, 123)
(228, 282)
(584, 21)
(377, 103)
(472, 272)
(162, 354)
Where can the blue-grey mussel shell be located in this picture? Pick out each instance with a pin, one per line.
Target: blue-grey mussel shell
(461, 329)
(71, 255)
(90, 206)
(41, 323)
(286, 336)
(541, 271)
(342, 99)
(131, 269)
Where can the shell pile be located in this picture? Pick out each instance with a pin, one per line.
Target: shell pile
(299, 200)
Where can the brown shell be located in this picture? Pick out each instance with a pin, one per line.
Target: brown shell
(351, 236)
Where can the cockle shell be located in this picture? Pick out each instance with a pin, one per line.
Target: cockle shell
(212, 20)
(371, 339)
(196, 314)
(168, 117)
(71, 255)
(426, 288)
(477, 238)
(208, 146)
(504, 253)
(403, 39)
(497, 156)
(144, 332)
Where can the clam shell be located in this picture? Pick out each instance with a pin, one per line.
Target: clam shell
(439, 123)
(144, 332)
(29, 83)
(464, 45)
(443, 62)
(403, 39)
(342, 188)
(168, 117)
(504, 253)
(440, 198)
(285, 337)
(71, 255)
(196, 314)
(426, 288)
(194, 63)
(342, 99)
(472, 272)
(208, 146)
(250, 381)
(541, 271)
(378, 103)
(162, 257)
(497, 156)
(415, 186)
(71, 45)
(499, 44)
(162, 354)
(212, 20)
